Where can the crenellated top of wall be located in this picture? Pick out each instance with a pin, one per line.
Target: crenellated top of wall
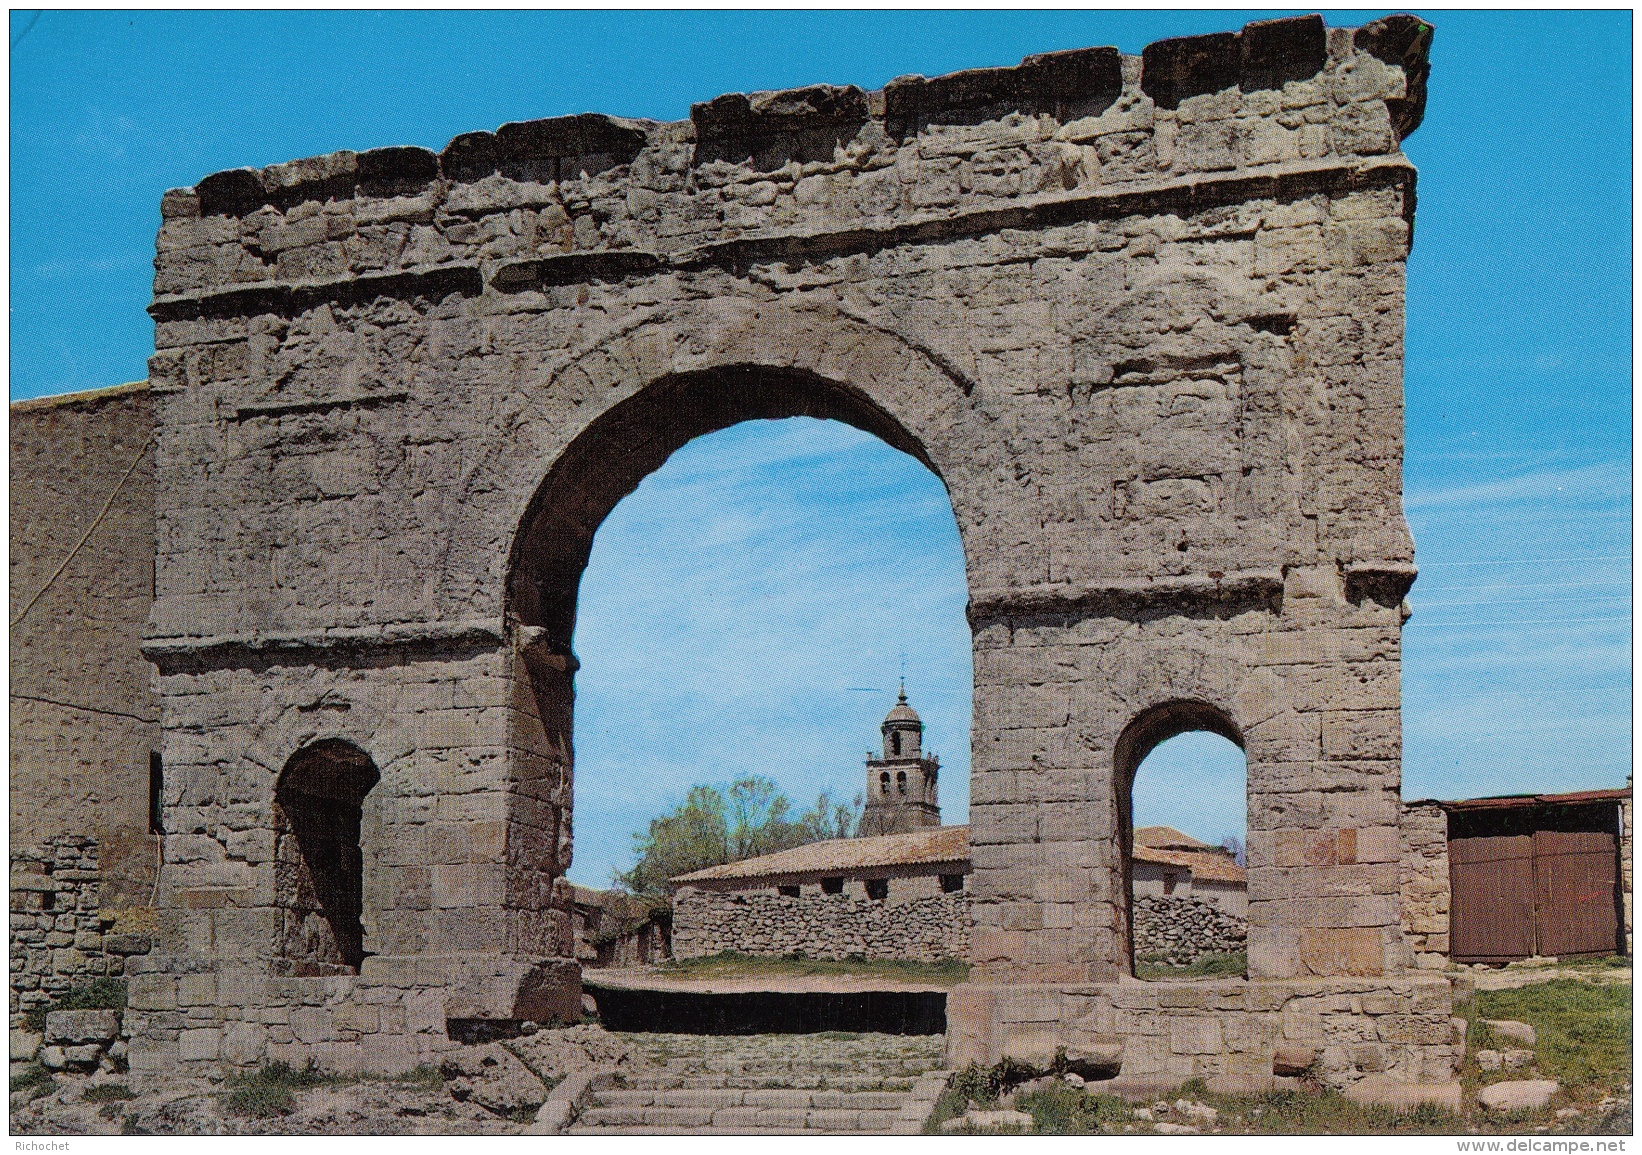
(773, 174)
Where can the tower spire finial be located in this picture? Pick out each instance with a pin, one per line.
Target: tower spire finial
(903, 688)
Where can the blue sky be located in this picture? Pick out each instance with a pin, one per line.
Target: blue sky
(1518, 473)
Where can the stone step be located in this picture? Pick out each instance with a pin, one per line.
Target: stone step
(735, 1120)
(762, 1081)
(717, 1097)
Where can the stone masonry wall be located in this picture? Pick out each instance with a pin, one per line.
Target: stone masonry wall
(1143, 315)
(1177, 930)
(1340, 1031)
(1426, 891)
(822, 926)
(61, 937)
(84, 711)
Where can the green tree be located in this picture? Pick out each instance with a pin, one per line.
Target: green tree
(692, 836)
(716, 825)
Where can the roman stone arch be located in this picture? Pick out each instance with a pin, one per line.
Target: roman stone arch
(1141, 315)
(824, 358)
(716, 365)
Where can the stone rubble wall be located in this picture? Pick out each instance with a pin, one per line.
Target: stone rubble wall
(820, 926)
(1425, 885)
(84, 710)
(1177, 930)
(60, 936)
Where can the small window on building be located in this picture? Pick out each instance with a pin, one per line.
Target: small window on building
(883, 782)
(832, 886)
(878, 889)
(1169, 881)
(895, 742)
(787, 891)
(901, 781)
(156, 794)
(952, 882)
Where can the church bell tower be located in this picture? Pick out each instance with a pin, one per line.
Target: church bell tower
(902, 784)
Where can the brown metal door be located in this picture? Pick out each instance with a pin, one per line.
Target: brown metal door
(1492, 914)
(1575, 878)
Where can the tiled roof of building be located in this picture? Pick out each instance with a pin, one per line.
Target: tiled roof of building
(1209, 865)
(933, 844)
(1169, 837)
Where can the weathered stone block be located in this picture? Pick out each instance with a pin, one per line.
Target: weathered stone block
(199, 1044)
(94, 1026)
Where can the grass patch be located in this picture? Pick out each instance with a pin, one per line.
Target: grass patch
(732, 964)
(100, 994)
(1584, 1029)
(427, 1077)
(271, 1089)
(1211, 964)
(1330, 1113)
(34, 1079)
(1066, 1110)
(108, 1093)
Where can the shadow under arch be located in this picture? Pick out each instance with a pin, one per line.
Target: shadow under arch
(319, 866)
(1150, 729)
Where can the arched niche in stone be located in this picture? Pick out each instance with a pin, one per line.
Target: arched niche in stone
(319, 862)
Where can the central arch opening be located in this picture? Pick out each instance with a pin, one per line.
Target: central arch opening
(720, 579)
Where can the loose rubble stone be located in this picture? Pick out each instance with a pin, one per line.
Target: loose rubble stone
(1518, 1095)
(24, 1044)
(1512, 1029)
(991, 1121)
(821, 926)
(1176, 930)
(495, 1079)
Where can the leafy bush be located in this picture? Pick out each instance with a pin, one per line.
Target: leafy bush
(100, 994)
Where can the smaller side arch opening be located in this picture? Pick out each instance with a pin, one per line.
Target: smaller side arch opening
(319, 867)
(1198, 866)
